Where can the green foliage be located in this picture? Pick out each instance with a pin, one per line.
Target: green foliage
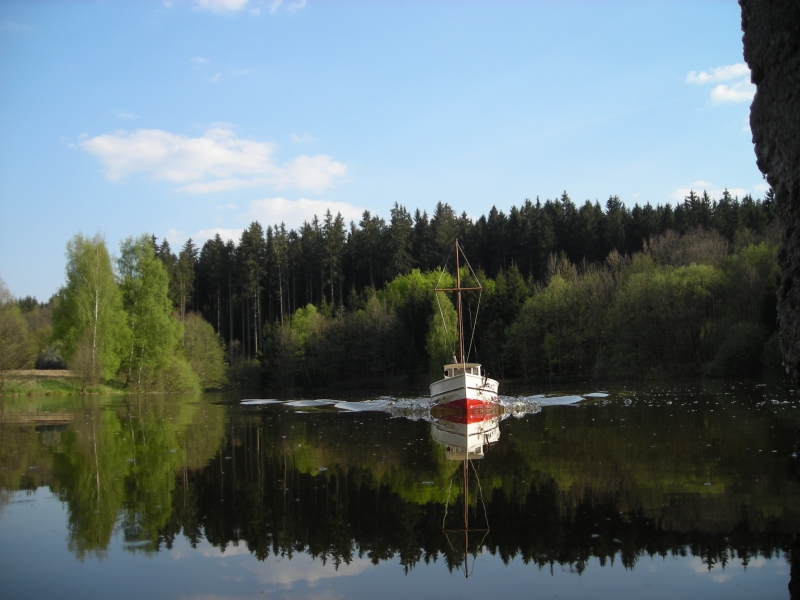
(663, 321)
(740, 353)
(751, 285)
(204, 351)
(176, 376)
(442, 335)
(559, 329)
(89, 318)
(245, 374)
(15, 348)
(771, 356)
(154, 331)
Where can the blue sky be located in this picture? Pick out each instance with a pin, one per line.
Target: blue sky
(185, 118)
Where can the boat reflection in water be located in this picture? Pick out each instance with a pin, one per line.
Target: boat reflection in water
(466, 435)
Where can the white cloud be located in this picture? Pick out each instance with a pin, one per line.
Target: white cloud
(699, 186)
(741, 91)
(726, 73)
(284, 572)
(738, 90)
(274, 6)
(199, 238)
(305, 138)
(221, 5)
(312, 172)
(216, 161)
(216, 78)
(296, 5)
(293, 213)
(175, 236)
(200, 60)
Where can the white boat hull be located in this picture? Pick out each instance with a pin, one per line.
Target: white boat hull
(465, 438)
(464, 391)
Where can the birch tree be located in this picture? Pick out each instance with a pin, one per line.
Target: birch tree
(145, 291)
(89, 317)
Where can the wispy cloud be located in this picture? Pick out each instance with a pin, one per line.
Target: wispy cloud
(291, 7)
(214, 162)
(305, 138)
(176, 239)
(221, 6)
(6, 25)
(732, 83)
(294, 213)
(124, 114)
(216, 78)
(700, 186)
(200, 60)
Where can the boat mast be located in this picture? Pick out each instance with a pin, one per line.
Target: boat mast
(466, 519)
(458, 289)
(458, 308)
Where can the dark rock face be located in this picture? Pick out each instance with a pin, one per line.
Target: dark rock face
(772, 49)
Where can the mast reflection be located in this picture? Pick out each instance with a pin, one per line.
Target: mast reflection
(466, 435)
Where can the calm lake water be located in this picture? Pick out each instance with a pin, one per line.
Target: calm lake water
(662, 491)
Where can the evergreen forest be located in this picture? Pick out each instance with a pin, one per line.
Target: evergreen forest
(569, 292)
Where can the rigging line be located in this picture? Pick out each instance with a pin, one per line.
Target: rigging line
(485, 516)
(474, 325)
(444, 268)
(480, 490)
(466, 260)
(444, 322)
(447, 502)
(439, 304)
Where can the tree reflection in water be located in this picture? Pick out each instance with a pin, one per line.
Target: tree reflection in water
(668, 472)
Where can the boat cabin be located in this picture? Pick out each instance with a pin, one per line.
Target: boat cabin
(460, 368)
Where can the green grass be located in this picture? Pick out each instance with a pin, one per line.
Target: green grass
(55, 386)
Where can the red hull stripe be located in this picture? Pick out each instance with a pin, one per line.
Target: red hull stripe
(467, 404)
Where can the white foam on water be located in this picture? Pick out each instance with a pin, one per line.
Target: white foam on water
(256, 402)
(308, 403)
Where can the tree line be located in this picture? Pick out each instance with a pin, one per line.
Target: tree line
(329, 304)
(269, 274)
(114, 321)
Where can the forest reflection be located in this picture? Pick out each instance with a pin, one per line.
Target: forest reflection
(664, 471)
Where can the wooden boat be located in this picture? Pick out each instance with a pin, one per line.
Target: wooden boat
(465, 386)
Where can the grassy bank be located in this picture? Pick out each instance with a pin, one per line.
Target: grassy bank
(31, 382)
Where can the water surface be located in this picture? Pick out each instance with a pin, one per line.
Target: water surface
(663, 491)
